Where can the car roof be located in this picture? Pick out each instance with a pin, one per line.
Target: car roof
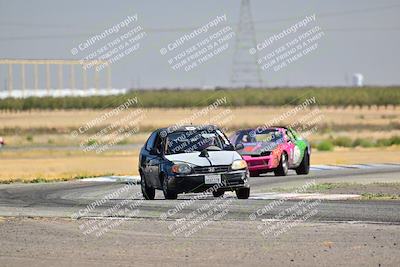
(271, 127)
(182, 128)
(283, 127)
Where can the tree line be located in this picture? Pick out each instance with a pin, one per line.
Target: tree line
(336, 97)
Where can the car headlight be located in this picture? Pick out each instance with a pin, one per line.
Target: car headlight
(181, 168)
(239, 164)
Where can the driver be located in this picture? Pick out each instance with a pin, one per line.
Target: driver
(246, 138)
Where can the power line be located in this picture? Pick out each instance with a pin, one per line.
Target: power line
(331, 14)
(85, 35)
(186, 29)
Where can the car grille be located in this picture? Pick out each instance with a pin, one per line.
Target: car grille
(263, 154)
(257, 162)
(211, 169)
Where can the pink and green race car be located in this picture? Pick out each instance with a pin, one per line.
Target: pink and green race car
(274, 149)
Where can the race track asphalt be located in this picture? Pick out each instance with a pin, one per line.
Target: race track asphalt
(83, 223)
(66, 199)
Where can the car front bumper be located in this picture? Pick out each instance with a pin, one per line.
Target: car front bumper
(194, 183)
(261, 163)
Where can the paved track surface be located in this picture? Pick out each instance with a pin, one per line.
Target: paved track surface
(59, 242)
(37, 230)
(68, 198)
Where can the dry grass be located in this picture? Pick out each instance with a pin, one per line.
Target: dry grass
(62, 140)
(32, 164)
(357, 155)
(140, 138)
(58, 165)
(353, 121)
(163, 117)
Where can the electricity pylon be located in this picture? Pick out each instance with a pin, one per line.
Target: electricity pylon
(245, 70)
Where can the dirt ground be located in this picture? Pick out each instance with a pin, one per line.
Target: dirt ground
(59, 242)
(357, 188)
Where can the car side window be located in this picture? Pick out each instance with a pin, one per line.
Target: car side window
(290, 136)
(243, 137)
(223, 139)
(233, 138)
(294, 134)
(158, 144)
(150, 141)
(238, 138)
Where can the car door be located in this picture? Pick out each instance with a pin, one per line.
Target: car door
(154, 161)
(300, 148)
(146, 157)
(295, 153)
(290, 146)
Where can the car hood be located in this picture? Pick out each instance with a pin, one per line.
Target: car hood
(215, 157)
(257, 148)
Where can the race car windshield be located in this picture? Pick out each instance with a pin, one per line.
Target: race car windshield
(197, 140)
(269, 135)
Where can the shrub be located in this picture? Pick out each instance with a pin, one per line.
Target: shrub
(343, 141)
(362, 142)
(39, 180)
(395, 140)
(91, 142)
(383, 142)
(325, 145)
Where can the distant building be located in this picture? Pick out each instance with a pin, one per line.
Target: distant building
(208, 87)
(358, 80)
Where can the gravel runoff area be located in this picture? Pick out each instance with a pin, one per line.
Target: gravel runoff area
(59, 242)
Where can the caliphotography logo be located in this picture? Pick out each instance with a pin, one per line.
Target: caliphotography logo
(199, 133)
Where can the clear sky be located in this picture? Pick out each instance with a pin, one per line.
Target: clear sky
(360, 36)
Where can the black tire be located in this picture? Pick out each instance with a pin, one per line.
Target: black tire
(168, 194)
(254, 173)
(304, 167)
(148, 192)
(283, 167)
(243, 193)
(218, 193)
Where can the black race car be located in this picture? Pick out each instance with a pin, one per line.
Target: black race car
(192, 159)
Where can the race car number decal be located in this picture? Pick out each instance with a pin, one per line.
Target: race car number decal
(296, 155)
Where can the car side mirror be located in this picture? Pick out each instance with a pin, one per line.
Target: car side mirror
(239, 146)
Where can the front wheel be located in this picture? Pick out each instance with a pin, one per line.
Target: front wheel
(168, 194)
(243, 193)
(304, 167)
(283, 167)
(148, 192)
